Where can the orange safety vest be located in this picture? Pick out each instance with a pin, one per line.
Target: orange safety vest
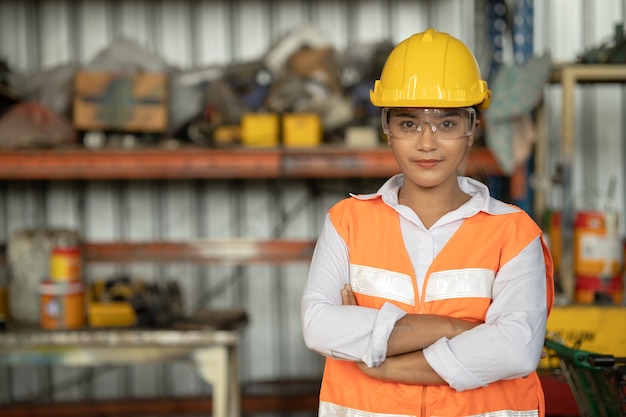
(484, 242)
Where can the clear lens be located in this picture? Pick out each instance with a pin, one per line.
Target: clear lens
(407, 123)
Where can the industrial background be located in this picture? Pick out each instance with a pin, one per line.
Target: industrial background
(188, 35)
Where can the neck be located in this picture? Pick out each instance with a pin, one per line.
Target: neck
(430, 204)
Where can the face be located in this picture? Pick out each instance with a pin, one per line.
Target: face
(430, 145)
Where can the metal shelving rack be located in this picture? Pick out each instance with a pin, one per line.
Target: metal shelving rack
(188, 163)
(202, 163)
(569, 76)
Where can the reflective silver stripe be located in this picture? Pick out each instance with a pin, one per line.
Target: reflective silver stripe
(333, 410)
(382, 283)
(507, 413)
(459, 283)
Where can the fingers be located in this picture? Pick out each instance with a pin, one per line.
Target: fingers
(362, 366)
(347, 296)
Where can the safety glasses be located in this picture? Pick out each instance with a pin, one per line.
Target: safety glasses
(445, 124)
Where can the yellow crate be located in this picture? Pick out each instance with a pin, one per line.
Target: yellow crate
(114, 314)
(302, 129)
(260, 129)
(109, 313)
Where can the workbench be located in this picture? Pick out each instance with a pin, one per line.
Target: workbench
(211, 348)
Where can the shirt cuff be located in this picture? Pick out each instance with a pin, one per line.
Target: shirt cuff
(444, 362)
(386, 319)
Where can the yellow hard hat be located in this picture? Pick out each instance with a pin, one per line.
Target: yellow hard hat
(431, 69)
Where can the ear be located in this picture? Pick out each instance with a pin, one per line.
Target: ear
(388, 140)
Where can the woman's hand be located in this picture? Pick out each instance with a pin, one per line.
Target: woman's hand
(414, 332)
(411, 366)
(376, 372)
(347, 296)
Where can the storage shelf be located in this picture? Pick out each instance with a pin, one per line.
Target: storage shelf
(225, 251)
(202, 163)
(234, 251)
(569, 76)
(589, 73)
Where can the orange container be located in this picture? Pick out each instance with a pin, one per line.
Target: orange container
(594, 290)
(65, 264)
(592, 246)
(62, 305)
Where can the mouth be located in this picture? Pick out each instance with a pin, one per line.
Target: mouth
(426, 163)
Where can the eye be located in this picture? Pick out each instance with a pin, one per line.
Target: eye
(450, 123)
(403, 123)
(408, 124)
(447, 124)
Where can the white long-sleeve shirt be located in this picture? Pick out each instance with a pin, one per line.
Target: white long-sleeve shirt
(507, 345)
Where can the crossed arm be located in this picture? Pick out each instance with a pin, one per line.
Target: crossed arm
(405, 360)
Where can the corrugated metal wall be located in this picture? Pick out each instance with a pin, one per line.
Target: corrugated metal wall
(36, 35)
(195, 33)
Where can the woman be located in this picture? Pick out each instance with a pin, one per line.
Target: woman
(429, 297)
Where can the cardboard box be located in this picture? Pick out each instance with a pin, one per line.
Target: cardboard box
(260, 129)
(120, 102)
(301, 129)
(362, 137)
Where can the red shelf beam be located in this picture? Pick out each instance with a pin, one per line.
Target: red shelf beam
(196, 163)
(227, 251)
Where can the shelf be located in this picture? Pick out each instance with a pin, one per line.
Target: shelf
(207, 342)
(201, 163)
(201, 251)
(589, 73)
(569, 76)
(226, 251)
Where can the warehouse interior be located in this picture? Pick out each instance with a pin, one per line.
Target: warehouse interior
(173, 162)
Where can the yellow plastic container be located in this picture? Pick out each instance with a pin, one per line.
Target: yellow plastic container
(260, 129)
(65, 264)
(113, 314)
(108, 313)
(302, 130)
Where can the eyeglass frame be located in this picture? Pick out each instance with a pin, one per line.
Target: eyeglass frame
(472, 118)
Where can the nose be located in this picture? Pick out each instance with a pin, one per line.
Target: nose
(426, 138)
(421, 125)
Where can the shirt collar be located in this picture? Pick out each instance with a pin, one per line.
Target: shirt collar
(480, 199)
